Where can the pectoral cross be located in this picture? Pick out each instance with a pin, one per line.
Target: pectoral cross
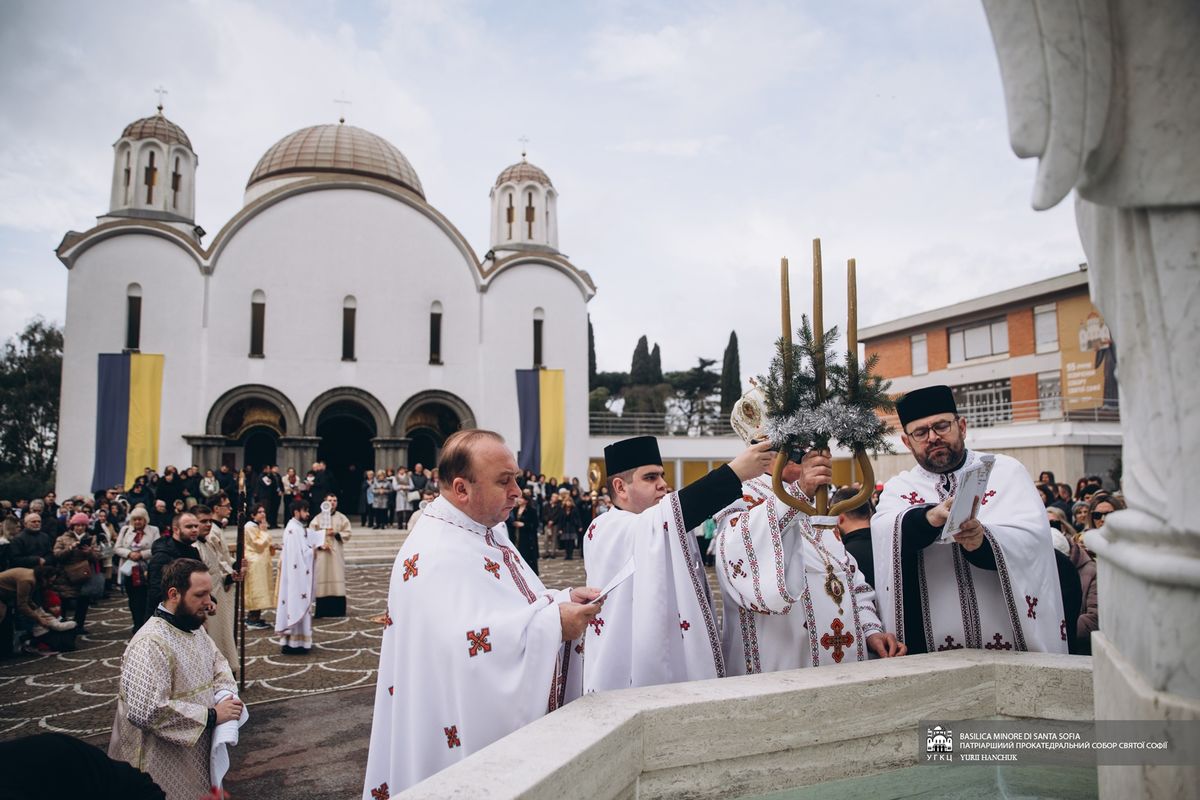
(837, 641)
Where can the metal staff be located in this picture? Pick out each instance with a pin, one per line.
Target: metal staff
(239, 603)
(821, 509)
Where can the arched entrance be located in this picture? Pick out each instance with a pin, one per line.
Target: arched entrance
(346, 419)
(426, 420)
(259, 447)
(346, 430)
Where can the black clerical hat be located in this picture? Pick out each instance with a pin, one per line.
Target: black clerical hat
(640, 451)
(926, 402)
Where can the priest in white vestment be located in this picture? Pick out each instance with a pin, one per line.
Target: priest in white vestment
(331, 562)
(171, 676)
(793, 596)
(994, 587)
(473, 643)
(657, 626)
(215, 555)
(297, 582)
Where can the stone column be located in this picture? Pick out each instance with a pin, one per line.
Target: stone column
(390, 451)
(206, 450)
(1107, 97)
(298, 451)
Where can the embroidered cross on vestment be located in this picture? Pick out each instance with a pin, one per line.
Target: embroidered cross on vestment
(837, 641)
(913, 498)
(597, 623)
(986, 495)
(492, 567)
(381, 792)
(998, 643)
(452, 740)
(1032, 603)
(478, 641)
(410, 567)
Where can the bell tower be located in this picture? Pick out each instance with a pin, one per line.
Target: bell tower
(524, 209)
(154, 174)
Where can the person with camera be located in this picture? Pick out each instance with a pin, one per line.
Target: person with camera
(77, 554)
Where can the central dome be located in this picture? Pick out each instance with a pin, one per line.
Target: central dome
(340, 149)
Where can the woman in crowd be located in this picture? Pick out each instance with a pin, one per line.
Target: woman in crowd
(522, 530)
(434, 484)
(551, 517)
(570, 526)
(140, 495)
(1085, 565)
(209, 486)
(133, 551)
(259, 581)
(380, 488)
(105, 536)
(76, 553)
(403, 486)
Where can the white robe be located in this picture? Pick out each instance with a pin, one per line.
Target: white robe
(220, 626)
(658, 626)
(297, 584)
(772, 575)
(472, 650)
(1018, 606)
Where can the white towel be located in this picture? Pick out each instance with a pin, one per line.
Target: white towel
(225, 734)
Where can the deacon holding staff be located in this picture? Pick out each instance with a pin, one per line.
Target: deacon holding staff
(995, 586)
(472, 643)
(793, 596)
(657, 626)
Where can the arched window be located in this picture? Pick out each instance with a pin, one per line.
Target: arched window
(435, 333)
(128, 177)
(511, 213)
(151, 178)
(258, 318)
(529, 217)
(349, 309)
(539, 318)
(176, 182)
(133, 316)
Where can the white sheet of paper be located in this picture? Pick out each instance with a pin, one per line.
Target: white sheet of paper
(971, 489)
(623, 574)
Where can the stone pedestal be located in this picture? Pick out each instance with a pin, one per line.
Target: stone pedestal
(391, 451)
(206, 450)
(298, 451)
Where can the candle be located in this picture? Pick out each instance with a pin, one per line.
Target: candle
(818, 321)
(852, 316)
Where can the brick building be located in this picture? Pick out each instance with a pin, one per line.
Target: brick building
(1032, 368)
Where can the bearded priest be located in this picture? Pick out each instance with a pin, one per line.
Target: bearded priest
(657, 626)
(473, 643)
(995, 586)
(793, 596)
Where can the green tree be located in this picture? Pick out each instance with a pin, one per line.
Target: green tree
(694, 395)
(731, 376)
(641, 370)
(30, 379)
(656, 373)
(591, 355)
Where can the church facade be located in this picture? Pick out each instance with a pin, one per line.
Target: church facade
(338, 315)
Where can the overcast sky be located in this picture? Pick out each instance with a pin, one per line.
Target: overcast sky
(693, 144)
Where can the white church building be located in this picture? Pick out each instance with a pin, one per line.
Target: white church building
(338, 315)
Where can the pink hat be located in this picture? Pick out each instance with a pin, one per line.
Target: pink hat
(78, 519)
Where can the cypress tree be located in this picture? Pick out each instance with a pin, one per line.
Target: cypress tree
(591, 356)
(656, 373)
(731, 376)
(641, 370)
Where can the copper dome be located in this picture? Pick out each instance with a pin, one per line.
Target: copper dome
(337, 148)
(157, 127)
(522, 172)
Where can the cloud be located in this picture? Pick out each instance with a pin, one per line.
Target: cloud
(678, 148)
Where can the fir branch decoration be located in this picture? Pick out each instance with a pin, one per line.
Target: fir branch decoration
(801, 417)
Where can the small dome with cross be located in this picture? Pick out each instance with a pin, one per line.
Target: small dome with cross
(523, 172)
(157, 127)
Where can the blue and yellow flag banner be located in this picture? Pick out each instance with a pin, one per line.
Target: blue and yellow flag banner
(128, 414)
(541, 406)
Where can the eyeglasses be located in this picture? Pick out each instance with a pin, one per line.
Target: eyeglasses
(1099, 515)
(940, 428)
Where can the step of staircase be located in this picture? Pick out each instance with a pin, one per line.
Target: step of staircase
(366, 547)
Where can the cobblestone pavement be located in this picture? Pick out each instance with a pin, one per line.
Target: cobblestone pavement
(75, 692)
